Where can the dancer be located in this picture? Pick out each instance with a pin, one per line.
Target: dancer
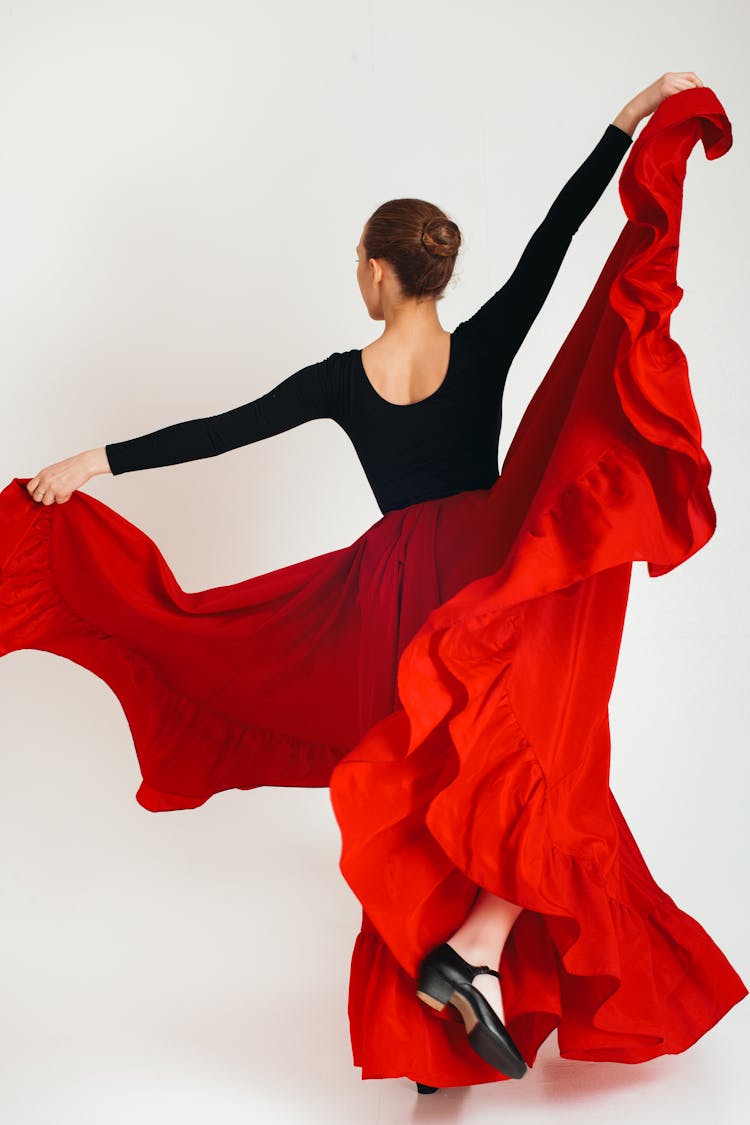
(466, 642)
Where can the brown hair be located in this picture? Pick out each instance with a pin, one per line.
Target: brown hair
(419, 241)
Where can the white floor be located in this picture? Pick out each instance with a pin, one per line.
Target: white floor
(191, 967)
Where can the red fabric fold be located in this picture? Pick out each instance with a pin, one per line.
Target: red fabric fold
(448, 675)
(506, 687)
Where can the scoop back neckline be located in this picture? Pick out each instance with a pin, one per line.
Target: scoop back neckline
(419, 401)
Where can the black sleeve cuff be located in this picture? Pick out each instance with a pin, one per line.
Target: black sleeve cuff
(115, 464)
(619, 135)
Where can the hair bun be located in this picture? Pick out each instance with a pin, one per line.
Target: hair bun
(441, 237)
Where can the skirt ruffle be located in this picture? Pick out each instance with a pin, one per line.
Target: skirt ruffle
(229, 688)
(493, 771)
(448, 676)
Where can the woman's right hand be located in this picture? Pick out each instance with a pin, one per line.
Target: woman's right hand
(56, 483)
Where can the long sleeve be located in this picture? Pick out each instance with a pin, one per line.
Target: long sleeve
(502, 323)
(309, 393)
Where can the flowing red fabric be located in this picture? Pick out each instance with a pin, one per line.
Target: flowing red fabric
(448, 676)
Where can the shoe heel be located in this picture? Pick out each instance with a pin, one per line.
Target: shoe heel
(434, 989)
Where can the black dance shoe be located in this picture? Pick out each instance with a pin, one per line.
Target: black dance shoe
(422, 1089)
(445, 978)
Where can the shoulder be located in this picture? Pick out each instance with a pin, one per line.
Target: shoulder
(334, 369)
(471, 341)
(326, 372)
(332, 376)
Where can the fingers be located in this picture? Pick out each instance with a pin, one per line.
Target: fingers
(675, 81)
(54, 484)
(48, 492)
(47, 496)
(687, 78)
(39, 491)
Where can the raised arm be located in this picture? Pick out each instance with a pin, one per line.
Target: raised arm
(307, 394)
(311, 392)
(502, 323)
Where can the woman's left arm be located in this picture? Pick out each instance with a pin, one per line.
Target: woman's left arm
(502, 323)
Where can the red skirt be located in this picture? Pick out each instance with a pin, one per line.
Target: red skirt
(447, 675)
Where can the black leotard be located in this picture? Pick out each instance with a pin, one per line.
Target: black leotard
(439, 445)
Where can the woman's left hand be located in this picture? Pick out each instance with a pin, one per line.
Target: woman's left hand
(669, 83)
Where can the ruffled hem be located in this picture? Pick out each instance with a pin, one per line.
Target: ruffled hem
(595, 1019)
(600, 952)
(191, 736)
(494, 771)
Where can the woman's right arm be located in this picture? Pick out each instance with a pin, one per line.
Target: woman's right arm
(307, 394)
(311, 392)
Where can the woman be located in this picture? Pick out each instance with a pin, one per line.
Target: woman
(347, 707)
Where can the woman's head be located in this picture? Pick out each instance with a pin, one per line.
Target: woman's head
(406, 254)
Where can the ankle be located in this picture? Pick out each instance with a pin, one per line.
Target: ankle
(475, 951)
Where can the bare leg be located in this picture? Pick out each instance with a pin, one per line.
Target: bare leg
(480, 939)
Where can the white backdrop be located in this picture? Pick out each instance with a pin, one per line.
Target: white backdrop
(182, 186)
